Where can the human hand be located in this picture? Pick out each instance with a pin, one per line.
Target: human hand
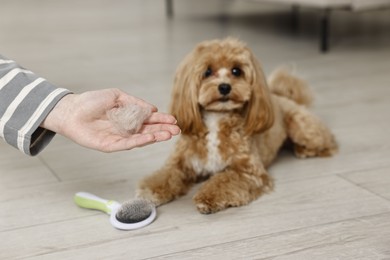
(83, 119)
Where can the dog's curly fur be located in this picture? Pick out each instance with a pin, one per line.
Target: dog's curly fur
(233, 126)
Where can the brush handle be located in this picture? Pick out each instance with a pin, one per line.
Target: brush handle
(91, 201)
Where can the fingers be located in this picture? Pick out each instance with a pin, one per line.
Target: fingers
(139, 140)
(171, 129)
(162, 136)
(157, 118)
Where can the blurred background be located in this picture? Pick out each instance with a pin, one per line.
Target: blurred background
(132, 44)
(136, 46)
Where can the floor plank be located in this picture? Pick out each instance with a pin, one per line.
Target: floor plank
(375, 180)
(350, 239)
(179, 227)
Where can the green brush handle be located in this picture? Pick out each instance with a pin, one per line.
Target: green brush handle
(91, 201)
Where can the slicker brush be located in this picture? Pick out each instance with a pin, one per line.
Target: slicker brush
(130, 215)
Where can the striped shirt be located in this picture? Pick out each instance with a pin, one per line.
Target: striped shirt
(25, 101)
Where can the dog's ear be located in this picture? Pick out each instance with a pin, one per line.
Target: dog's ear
(184, 100)
(259, 110)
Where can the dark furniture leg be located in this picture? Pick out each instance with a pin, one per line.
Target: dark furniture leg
(169, 7)
(294, 18)
(324, 31)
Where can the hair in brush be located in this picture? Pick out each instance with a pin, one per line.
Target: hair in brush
(134, 211)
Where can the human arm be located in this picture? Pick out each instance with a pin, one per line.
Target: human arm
(25, 100)
(84, 119)
(32, 110)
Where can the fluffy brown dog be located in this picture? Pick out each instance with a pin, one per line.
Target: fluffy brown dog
(232, 128)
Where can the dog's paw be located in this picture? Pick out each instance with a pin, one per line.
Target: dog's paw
(204, 209)
(207, 205)
(324, 151)
(149, 195)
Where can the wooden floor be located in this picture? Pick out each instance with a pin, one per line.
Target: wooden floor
(334, 208)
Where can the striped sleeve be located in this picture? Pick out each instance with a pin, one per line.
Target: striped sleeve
(25, 101)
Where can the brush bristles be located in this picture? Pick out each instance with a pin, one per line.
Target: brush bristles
(134, 211)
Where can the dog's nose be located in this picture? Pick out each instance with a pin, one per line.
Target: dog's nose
(224, 88)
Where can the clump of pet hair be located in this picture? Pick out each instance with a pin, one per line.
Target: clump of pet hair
(134, 211)
(129, 119)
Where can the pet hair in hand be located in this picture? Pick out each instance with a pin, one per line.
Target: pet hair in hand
(129, 118)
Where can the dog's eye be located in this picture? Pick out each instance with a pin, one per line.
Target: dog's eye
(236, 71)
(208, 73)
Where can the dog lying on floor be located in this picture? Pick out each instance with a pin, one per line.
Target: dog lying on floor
(233, 126)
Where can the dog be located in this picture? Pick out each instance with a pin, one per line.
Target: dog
(233, 124)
